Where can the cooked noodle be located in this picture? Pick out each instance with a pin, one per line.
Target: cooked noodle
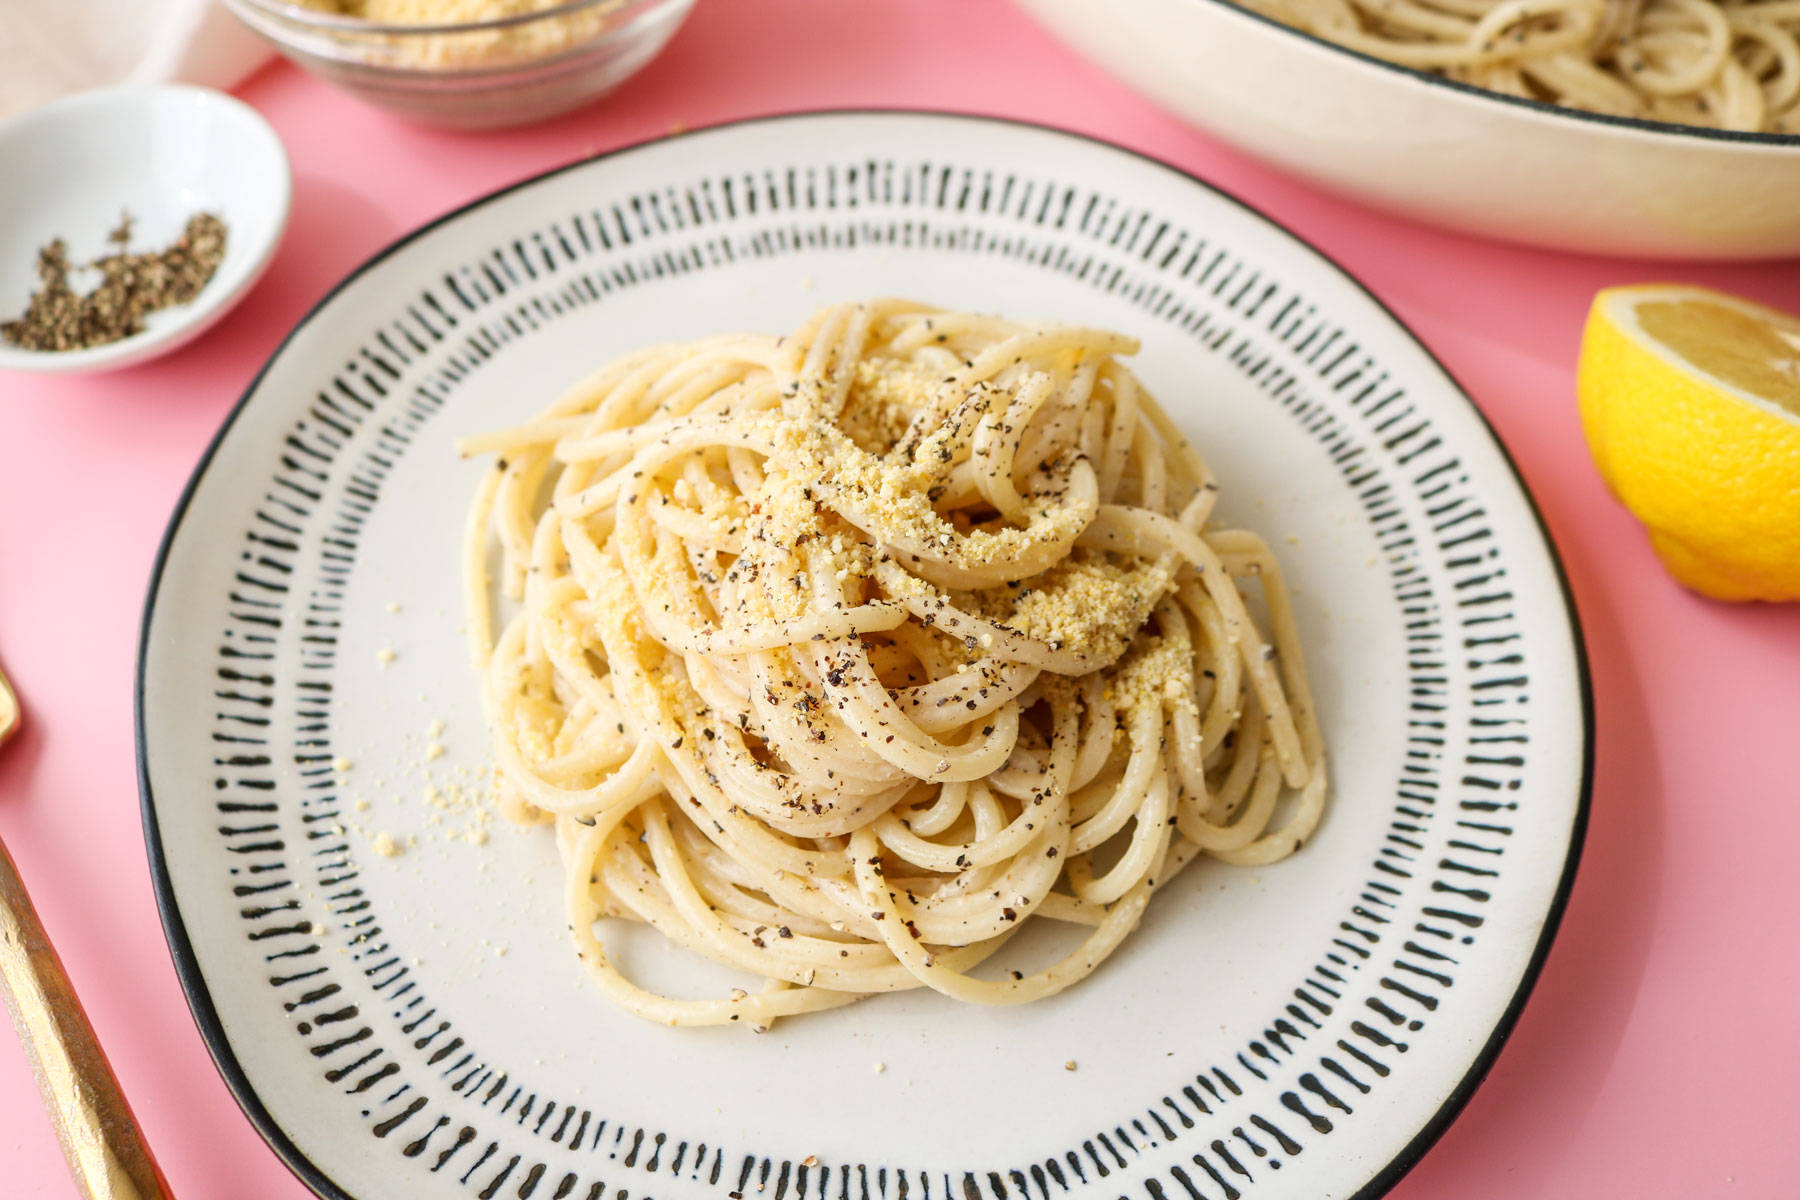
(1734, 64)
(841, 657)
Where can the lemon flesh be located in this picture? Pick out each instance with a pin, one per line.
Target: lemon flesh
(1690, 400)
(1753, 353)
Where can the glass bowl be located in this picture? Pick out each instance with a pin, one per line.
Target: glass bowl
(475, 74)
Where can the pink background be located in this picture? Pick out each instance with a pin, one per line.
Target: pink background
(1658, 1055)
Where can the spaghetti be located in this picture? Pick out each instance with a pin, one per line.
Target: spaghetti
(1731, 64)
(840, 658)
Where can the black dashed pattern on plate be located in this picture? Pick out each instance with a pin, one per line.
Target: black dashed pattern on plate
(1394, 957)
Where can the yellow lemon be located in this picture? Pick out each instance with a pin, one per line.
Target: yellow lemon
(1691, 403)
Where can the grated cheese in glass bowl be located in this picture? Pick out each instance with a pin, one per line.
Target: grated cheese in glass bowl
(469, 64)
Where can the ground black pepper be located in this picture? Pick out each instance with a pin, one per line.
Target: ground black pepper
(131, 285)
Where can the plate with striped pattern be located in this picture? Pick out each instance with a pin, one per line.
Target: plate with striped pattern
(381, 968)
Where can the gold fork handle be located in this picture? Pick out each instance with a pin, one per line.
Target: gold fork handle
(99, 1137)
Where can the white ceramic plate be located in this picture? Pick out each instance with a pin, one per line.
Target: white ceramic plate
(418, 1025)
(161, 153)
(1440, 151)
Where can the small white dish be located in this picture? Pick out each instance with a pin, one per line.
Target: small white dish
(1435, 150)
(161, 153)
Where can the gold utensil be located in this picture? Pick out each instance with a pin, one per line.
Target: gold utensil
(99, 1137)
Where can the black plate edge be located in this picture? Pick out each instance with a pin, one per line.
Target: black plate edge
(181, 950)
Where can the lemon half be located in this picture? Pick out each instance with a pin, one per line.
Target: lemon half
(1690, 399)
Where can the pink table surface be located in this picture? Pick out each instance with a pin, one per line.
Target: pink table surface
(1658, 1055)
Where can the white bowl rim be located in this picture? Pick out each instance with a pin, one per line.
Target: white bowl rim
(1640, 125)
(210, 303)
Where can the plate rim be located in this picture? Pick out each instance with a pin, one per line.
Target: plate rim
(181, 950)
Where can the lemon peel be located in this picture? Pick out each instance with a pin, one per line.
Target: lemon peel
(1690, 400)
